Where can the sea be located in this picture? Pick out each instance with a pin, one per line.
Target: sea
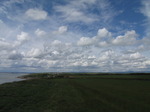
(10, 77)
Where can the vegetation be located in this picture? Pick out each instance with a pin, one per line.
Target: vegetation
(132, 76)
(61, 92)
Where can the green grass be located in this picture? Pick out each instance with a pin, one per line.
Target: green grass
(92, 94)
(131, 76)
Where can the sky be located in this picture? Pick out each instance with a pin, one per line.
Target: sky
(74, 36)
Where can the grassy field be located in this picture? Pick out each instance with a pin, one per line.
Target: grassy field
(77, 93)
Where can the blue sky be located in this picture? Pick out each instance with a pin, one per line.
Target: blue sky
(76, 35)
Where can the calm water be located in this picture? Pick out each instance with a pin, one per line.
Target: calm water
(10, 77)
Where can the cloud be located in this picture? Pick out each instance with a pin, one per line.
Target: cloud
(145, 10)
(5, 5)
(40, 33)
(36, 14)
(4, 45)
(79, 35)
(136, 55)
(134, 60)
(128, 39)
(34, 53)
(56, 43)
(61, 30)
(85, 41)
(103, 33)
(5, 29)
(23, 37)
(146, 7)
(74, 11)
(101, 39)
(14, 55)
(104, 38)
(66, 56)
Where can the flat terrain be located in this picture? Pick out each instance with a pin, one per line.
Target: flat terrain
(77, 93)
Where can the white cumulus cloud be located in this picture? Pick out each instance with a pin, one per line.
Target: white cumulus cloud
(23, 37)
(40, 33)
(103, 33)
(34, 52)
(85, 41)
(61, 30)
(128, 39)
(101, 39)
(104, 38)
(36, 14)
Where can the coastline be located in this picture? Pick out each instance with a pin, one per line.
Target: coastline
(11, 77)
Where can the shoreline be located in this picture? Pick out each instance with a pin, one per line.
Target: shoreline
(11, 77)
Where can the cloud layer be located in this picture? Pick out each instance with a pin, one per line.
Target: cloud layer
(77, 35)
